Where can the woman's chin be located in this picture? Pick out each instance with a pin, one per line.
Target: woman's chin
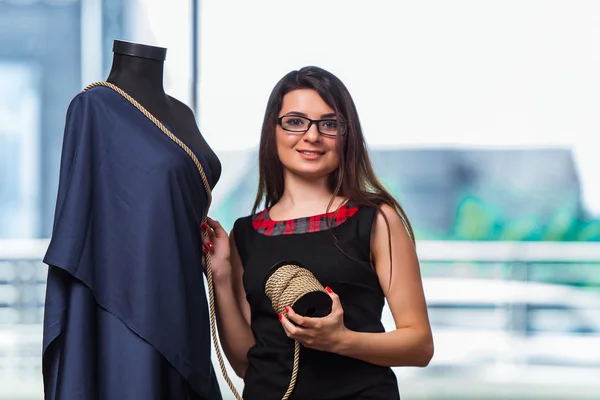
(311, 171)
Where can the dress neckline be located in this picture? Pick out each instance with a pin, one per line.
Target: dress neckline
(263, 223)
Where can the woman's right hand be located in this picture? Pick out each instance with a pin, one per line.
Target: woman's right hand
(215, 241)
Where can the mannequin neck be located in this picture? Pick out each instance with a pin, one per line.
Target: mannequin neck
(137, 74)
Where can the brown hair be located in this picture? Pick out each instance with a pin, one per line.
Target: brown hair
(355, 177)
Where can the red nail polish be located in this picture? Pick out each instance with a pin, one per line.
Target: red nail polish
(287, 309)
(205, 249)
(204, 226)
(280, 317)
(209, 244)
(329, 289)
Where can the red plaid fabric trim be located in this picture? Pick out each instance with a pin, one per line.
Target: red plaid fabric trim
(265, 225)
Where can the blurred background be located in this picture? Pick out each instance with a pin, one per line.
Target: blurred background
(483, 118)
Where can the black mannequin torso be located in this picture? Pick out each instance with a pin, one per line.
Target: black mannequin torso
(138, 70)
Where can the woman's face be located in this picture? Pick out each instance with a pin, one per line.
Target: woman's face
(309, 154)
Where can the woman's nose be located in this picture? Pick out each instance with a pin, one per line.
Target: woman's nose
(312, 134)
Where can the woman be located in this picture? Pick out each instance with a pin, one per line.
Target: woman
(325, 208)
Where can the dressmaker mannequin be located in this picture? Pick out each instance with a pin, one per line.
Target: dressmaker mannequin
(126, 315)
(138, 70)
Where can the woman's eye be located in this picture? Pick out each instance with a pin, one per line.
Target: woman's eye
(294, 122)
(330, 125)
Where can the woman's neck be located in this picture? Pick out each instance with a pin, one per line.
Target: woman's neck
(304, 197)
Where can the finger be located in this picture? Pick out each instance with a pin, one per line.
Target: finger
(291, 314)
(206, 232)
(305, 322)
(208, 236)
(336, 305)
(207, 244)
(216, 226)
(293, 331)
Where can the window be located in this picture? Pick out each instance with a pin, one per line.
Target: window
(19, 150)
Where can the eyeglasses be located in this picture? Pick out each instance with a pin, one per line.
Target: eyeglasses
(326, 127)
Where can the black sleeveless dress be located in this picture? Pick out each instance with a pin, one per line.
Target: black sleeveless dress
(262, 243)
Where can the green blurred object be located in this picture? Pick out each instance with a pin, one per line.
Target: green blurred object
(589, 231)
(475, 220)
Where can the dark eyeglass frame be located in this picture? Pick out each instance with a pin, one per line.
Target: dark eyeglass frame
(341, 126)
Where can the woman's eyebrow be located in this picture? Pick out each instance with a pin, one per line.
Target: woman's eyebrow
(296, 113)
(301, 114)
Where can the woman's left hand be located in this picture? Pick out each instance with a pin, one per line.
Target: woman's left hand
(324, 334)
(216, 242)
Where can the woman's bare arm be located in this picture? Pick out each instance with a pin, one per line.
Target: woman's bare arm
(233, 314)
(411, 343)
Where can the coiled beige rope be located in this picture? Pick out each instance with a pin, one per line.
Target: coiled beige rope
(286, 285)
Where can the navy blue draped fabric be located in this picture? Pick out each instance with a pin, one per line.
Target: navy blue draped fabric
(126, 313)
